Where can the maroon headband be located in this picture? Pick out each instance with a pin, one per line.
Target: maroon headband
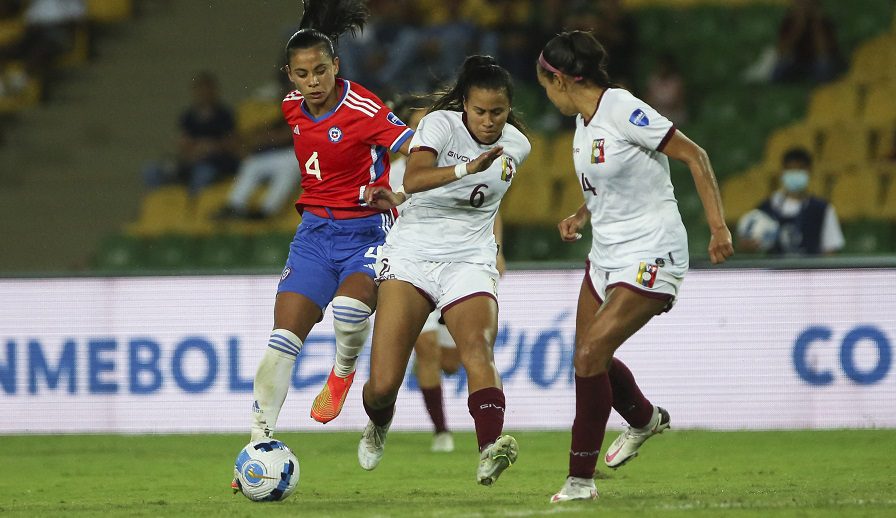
(551, 68)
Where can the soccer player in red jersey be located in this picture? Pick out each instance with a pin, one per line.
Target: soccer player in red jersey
(342, 134)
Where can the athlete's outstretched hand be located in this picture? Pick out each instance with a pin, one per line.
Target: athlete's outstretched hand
(570, 226)
(720, 247)
(484, 161)
(383, 198)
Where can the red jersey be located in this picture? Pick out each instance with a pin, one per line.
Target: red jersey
(343, 151)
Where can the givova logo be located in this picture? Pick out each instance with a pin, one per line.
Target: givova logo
(864, 355)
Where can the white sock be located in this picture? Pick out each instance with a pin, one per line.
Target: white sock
(350, 321)
(272, 381)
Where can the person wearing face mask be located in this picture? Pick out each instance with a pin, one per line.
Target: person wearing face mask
(808, 225)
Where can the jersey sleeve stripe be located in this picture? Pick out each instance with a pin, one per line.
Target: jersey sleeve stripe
(425, 148)
(406, 134)
(293, 96)
(363, 101)
(363, 109)
(666, 139)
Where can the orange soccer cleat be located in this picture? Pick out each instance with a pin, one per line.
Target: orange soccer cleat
(328, 403)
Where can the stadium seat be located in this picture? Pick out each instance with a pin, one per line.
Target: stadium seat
(109, 11)
(744, 192)
(223, 251)
(172, 252)
(798, 134)
(833, 104)
(210, 200)
(880, 104)
(269, 251)
(856, 195)
(119, 253)
(867, 236)
(844, 144)
(875, 60)
(11, 31)
(162, 211)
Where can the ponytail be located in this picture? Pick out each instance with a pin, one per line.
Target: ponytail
(324, 21)
(577, 54)
(481, 72)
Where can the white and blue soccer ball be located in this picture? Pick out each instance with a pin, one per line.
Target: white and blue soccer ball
(758, 226)
(266, 471)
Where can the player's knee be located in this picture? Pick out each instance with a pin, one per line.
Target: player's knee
(350, 316)
(476, 351)
(379, 394)
(590, 358)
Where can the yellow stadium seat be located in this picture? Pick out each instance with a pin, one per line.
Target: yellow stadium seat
(253, 114)
(880, 104)
(796, 135)
(875, 60)
(833, 103)
(80, 50)
(844, 144)
(209, 201)
(856, 195)
(162, 211)
(560, 155)
(744, 192)
(11, 31)
(109, 11)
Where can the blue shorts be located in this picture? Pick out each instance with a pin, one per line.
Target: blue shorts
(326, 251)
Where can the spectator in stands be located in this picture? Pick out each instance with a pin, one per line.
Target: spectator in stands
(807, 45)
(666, 89)
(807, 225)
(270, 160)
(206, 148)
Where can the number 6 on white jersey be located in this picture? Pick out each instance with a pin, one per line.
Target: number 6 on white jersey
(312, 166)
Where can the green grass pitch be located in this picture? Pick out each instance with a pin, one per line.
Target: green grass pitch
(680, 473)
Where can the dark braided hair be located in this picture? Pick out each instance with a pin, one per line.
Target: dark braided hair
(578, 54)
(323, 21)
(481, 72)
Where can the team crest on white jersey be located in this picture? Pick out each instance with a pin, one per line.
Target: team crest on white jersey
(597, 151)
(507, 168)
(639, 118)
(295, 130)
(334, 134)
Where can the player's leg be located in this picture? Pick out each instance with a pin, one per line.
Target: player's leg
(622, 313)
(306, 286)
(351, 307)
(428, 370)
(402, 312)
(473, 322)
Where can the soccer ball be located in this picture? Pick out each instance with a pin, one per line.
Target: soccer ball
(758, 226)
(266, 471)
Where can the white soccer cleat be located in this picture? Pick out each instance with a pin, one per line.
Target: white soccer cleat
(372, 445)
(442, 442)
(625, 447)
(495, 458)
(576, 489)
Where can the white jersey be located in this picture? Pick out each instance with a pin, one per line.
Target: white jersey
(626, 183)
(455, 222)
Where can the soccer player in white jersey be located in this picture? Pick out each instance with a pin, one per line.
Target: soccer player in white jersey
(639, 252)
(441, 255)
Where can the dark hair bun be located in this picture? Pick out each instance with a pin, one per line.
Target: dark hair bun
(479, 61)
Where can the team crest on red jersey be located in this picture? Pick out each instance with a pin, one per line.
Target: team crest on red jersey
(334, 134)
(295, 130)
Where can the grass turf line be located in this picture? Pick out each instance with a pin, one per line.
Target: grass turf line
(680, 473)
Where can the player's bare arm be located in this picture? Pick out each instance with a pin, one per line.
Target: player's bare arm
(422, 174)
(571, 225)
(384, 198)
(680, 147)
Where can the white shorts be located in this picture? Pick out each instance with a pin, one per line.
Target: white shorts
(659, 281)
(443, 284)
(432, 325)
